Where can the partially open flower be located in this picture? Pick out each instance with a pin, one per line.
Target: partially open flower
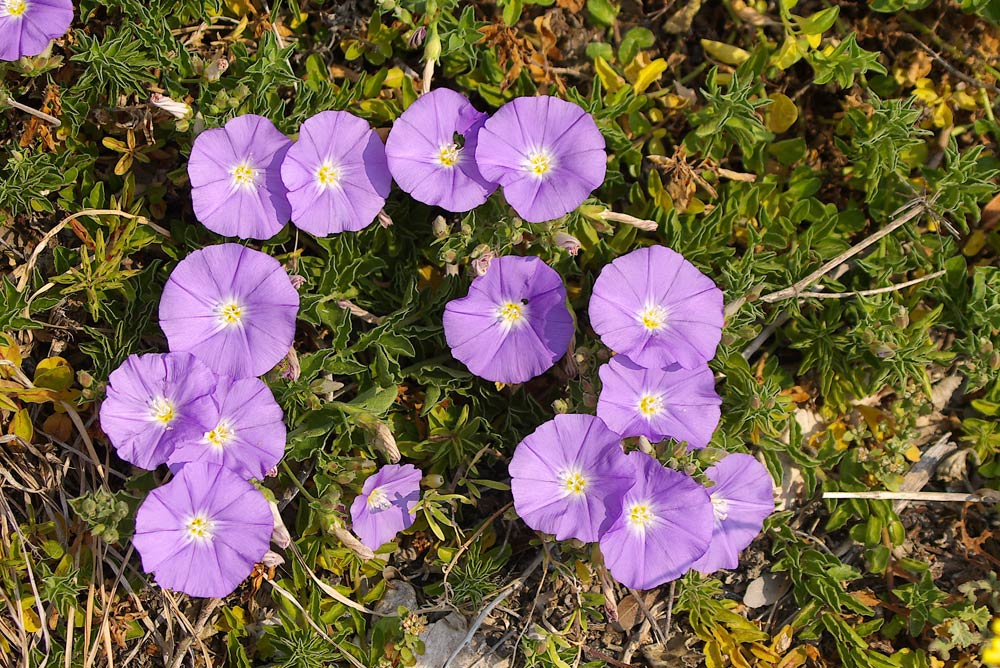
(153, 402)
(658, 309)
(547, 154)
(658, 403)
(236, 184)
(28, 26)
(244, 430)
(202, 532)
(514, 324)
(232, 307)
(742, 498)
(386, 504)
(569, 476)
(336, 174)
(665, 525)
(432, 151)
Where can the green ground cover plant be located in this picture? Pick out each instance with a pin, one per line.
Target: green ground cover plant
(831, 166)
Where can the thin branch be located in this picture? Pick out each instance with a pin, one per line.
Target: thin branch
(876, 291)
(904, 214)
(915, 496)
(51, 120)
(504, 593)
(948, 66)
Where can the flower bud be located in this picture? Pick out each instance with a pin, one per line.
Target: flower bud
(642, 224)
(416, 37)
(439, 226)
(432, 480)
(179, 110)
(432, 48)
(272, 559)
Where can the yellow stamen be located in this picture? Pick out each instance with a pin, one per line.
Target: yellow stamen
(230, 313)
(16, 7)
(639, 515)
(162, 410)
(243, 175)
(378, 500)
(573, 482)
(327, 175)
(539, 163)
(221, 435)
(653, 317)
(510, 313)
(448, 155)
(200, 528)
(650, 405)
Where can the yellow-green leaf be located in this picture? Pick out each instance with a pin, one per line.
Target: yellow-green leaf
(819, 22)
(21, 425)
(649, 74)
(781, 114)
(612, 80)
(726, 53)
(54, 373)
(789, 53)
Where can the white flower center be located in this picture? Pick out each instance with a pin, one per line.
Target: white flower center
(720, 507)
(573, 481)
(244, 175)
(161, 410)
(650, 405)
(221, 436)
(511, 315)
(653, 317)
(378, 500)
(539, 163)
(327, 176)
(229, 313)
(199, 528)
(448, 155)
(639, 515)
(14, 7)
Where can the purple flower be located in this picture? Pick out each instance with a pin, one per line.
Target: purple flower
(547, 154)
(235, 179)
(658, 309)
(658, 403)
(336, 174)
(385, 505)
(232, 307)
(202, 532)
(664, 526)
(568, 477)
(243, 431)
(153, 402)
(428, 162)
(514, 324)
(742, 498)
(27, 26)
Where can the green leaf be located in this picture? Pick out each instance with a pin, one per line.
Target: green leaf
(819, 22)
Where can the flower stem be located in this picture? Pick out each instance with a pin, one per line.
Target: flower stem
(295, 481)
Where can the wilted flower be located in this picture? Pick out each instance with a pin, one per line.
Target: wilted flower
(568, 477)
(742, 498)
(236, 184)
(232, 307)
(336, 174)
(432, 151)
(385, 505)
(657, 403)
(514, 324)
(568, 243)
(179, 110)
(27, 26)
(153, 402)
(658, 309)
(547, 154)
(664, 526)
(243, 431)
(202, 532)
